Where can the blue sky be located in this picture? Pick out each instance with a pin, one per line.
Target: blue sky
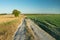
(30, 6)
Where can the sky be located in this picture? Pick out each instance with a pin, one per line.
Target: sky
(30, 6)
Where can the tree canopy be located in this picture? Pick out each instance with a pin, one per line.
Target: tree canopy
(16, 12)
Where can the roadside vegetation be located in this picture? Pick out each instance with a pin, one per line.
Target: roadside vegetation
(8, 26)
(48, 22)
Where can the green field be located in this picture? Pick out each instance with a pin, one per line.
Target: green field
(49, 22)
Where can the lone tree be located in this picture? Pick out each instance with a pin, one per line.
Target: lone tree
(16, 13)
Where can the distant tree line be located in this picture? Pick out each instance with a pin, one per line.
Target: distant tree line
(3, 13)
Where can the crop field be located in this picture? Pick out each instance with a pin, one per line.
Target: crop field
(48, 22)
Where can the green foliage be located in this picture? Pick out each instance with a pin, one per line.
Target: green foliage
(53, 18)
(16, 13)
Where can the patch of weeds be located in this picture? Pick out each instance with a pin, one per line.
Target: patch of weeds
(2, 31)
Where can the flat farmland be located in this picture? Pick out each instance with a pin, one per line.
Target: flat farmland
(48, 22)
(53, 18)
(8, 26)
(6, 18)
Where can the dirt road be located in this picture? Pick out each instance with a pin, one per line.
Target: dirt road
(30, 31)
